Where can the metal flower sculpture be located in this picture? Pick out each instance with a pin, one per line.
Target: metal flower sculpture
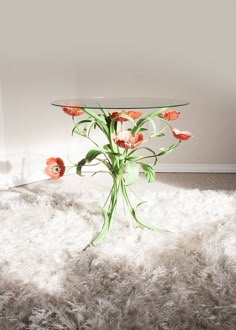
(120, 153)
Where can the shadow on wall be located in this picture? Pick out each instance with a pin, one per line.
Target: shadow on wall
(6, 170)
(20, 177)
(20, 168)
(5, 167)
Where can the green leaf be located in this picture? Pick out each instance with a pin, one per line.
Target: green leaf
(106, 116)
(84, 121)
(145, 148)
(104, 229)
(97, 172)
(107, 147)
(124, 115)
(142, 129)
(148, 171)
(77, 130)
(105, 112)
(133, 158)
(92, 154)
(92, 125)
(112, 131)
(102, 123)
(132, 170)
(152, 122)
(118, 154)
(165, 151)
(79, 166)
(146, 118)
(140, 203)
(134, 215)
(159, 134)
(144, 225)
(155, 113)
(138, 126)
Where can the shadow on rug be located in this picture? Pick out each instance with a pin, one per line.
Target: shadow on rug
(135, 280)
(100, 293)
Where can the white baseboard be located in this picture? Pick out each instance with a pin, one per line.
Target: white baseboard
(196, 168)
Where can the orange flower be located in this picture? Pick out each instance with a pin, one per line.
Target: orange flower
(125, 139)
(71, 111)
(171, 115)
(55, 168)
(181, 135)
(132, 114)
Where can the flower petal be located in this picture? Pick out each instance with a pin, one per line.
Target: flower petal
(171, 115)
(125, 139)
(134, 114)
(181, 135)
(71, 111)
(55, 168)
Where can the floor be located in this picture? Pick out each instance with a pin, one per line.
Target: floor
(164, 181)
(202, 181)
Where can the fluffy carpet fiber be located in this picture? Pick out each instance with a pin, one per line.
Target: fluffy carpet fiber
(136, 279)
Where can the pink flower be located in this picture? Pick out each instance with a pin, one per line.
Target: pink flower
(181, 135)
(125, 139)
(55, 168)
(132, 114)
(71, 111)
(171, 115)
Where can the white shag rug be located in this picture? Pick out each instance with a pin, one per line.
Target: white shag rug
(136, 279)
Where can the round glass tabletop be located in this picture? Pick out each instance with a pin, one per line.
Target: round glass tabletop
(120, 103)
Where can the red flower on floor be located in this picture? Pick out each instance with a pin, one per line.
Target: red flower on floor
(55, 168)
(125, 139)
(132, 114)
(71, 111)
(171, 115)
(181, 135)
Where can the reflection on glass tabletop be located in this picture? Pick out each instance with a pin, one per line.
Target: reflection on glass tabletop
(120, 103)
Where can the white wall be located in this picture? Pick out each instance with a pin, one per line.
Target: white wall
(54, 49)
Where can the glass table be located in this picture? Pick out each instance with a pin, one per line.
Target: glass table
(124, 125)
(120, 103)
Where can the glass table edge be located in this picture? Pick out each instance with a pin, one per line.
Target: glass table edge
(120, 108)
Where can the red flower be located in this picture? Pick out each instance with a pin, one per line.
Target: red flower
(71, 111)
(171, 115)
(125, 139)
(181, 135)
(132, 114)
(116, 114)
(55, 168)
